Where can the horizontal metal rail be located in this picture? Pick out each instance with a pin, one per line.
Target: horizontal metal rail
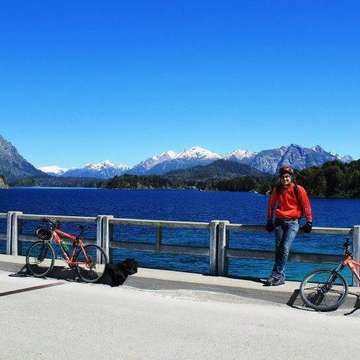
(164, 223)
(269, 255)
(158, 247)
(315, 230)
(169, 249)
(70, 219)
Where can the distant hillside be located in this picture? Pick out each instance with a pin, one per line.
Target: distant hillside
(220, 169)
(12, 165)
(56, 181)
(333, 179)
(219, 175)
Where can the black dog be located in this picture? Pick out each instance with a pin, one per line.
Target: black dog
(116, 274)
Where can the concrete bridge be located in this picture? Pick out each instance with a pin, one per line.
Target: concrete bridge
(161, 314)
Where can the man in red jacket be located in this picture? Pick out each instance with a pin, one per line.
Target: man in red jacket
(288, 202)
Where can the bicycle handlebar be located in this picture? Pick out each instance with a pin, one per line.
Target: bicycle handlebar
(54, 224)
(82, 229)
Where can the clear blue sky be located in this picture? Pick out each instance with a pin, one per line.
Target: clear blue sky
(84, 81)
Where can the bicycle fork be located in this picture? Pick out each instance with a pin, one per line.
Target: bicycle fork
(43, 252)
(331, 281)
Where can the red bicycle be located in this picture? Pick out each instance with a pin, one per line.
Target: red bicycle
(326, 289)
(88, 260)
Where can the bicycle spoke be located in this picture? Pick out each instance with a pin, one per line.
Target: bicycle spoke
(91, 263)
(40, 258)
(323, 290)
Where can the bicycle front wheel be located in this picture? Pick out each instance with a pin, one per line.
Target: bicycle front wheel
(324, 290)
(40, 258)
(91, 263)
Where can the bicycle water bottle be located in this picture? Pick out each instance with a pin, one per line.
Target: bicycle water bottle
(65, 247)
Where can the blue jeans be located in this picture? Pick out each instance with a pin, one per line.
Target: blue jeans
(285, 232)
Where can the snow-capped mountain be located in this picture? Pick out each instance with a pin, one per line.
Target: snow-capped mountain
(183, 160)
(243, 156)
(342, 158)
(103, 170)
(299, 157)
(197, 153)
(146, 165)
(53, 170)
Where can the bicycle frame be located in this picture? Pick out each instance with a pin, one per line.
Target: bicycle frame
(59, 237)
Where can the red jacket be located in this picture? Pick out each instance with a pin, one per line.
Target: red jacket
(286, 204)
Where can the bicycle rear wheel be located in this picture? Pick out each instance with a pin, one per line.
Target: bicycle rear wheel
(324, 290)
(91, 263)
(40, 258)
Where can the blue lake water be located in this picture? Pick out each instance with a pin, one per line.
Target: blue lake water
(185, 205)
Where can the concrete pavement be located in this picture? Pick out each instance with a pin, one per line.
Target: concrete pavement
(166, 315)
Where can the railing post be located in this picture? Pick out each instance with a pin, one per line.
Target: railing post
(9, 232)
(222, 246)
(99, 232)
(356, 249)
(106, 234)
(12, 233)
(213, 250)
(158, 237)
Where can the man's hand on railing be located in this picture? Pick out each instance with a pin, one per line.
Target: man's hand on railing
(307, 227)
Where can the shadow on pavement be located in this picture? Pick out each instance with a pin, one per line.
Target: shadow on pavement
(31, 288)
(296, 302)
(58, 272)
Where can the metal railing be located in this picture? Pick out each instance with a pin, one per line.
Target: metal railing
(294, 256)
(217, 250)
(158, 246)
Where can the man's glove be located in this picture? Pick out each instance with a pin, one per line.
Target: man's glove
(270, 225)
(307, 227)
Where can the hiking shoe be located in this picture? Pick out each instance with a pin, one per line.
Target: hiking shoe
(278, 282)
(272, 281)
(269, 281)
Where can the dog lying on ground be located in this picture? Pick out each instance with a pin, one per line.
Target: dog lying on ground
(116, 274)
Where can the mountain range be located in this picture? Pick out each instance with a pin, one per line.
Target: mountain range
(14, 166)
(266, 161)
(102, 170)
